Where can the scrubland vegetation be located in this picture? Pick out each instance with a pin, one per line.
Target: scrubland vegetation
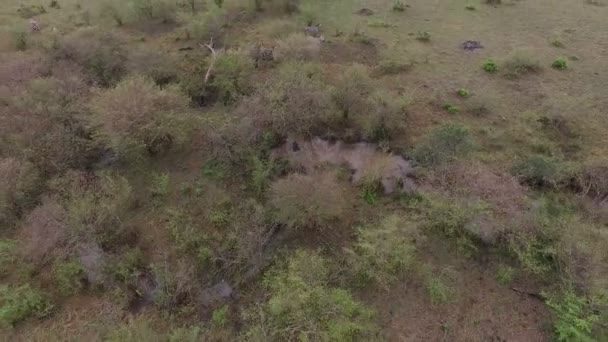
(299, 170)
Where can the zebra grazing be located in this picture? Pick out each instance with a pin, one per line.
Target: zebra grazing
(34, 25)
(261, 53)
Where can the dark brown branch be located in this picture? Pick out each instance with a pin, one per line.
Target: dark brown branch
(531, 294)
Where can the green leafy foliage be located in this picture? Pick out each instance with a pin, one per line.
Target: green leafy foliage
(520, 64)
(450, 108)
(231, 77)
(445, 143)
(574, 319)
(303, 306)
(20, 39)
(560, 63)
(19, 187)
(537, 170)
(490, 66)
(99, 53)
(159, 188)
(189, 237)
(124, 268)
(464, 92)
(19, 303)
(383, 251)
(398, 6)
(69, 277)
(423, 36)
(95, 209)
(295, 101)
(504, 275)
(309, 201)
(220, 316)
(7, 255)
(140, 119)
(438, 288)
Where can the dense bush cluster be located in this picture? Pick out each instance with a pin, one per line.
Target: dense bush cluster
(267, 171)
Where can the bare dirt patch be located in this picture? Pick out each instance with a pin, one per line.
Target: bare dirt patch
(481, 310)
(335, 51)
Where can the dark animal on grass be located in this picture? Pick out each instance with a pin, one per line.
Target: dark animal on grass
(313, 31)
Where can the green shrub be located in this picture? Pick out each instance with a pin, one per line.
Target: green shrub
(219, 3)
(295, 101)
(164, 10)
(398, 6)
(537, 170)
(231, 77)
(353, 87)
(95, 209)
(100, 53)
(262, 172)
(29, 11)
(370, 114)
(19, 188)
(423, 36)
(20, 39)
(470, 7)
(124, 267)
(560, 63)
(490, 66)
(302, 306)
(150, 62)
(309, 201)
(209, 25)
(391, 66)
(378, 23)
(450, 108)
(444, 144)
(220, 316)
(159, 189)
(140, 119)
(186, 334)
(520, 64)
(383, 251)
(19, 303)
(438, 289)
(464, 92)
(504, 275)
(7, 255)
(555, 42)
(69, 277)
(371, 190)
(297, 47)
(175, 284)
(189, 237)
(573, 318)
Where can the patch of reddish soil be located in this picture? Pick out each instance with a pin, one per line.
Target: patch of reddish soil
(345, 53)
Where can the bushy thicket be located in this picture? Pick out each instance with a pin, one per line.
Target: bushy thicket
(139, 119)
(309, 201)
(304, 306)
(294, 101)
(383, 251)
(100, 53)
(370, 114)
(19, 186)
(43, 120)
(444, 144)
